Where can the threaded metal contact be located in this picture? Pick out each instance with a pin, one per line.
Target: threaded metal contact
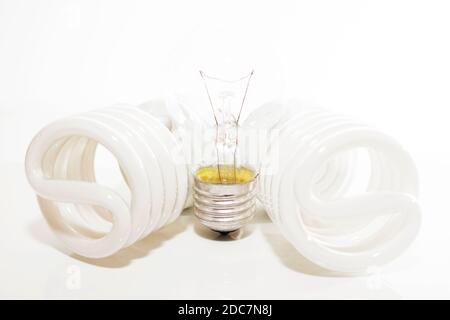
(224, 207)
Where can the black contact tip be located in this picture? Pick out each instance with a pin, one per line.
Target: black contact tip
(224, 233)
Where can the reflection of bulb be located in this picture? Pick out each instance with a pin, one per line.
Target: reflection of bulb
(224, 189)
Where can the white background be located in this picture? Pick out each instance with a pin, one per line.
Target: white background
(383, 62)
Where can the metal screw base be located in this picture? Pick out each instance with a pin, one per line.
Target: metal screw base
(224, 207)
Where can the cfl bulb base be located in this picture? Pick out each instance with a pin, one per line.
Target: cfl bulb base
(224, 207)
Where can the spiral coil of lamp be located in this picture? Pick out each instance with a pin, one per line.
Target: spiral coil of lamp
(308, 196)
(60, 168)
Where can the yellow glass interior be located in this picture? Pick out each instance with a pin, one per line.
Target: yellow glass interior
(225, 174)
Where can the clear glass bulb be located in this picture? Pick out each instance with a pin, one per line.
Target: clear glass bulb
(226, 98)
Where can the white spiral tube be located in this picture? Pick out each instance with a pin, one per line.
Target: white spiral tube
(309, 197)
(60, 168)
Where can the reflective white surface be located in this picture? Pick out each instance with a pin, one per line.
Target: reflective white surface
(185, 260)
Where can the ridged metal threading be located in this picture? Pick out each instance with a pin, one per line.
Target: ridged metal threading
(224, 207)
